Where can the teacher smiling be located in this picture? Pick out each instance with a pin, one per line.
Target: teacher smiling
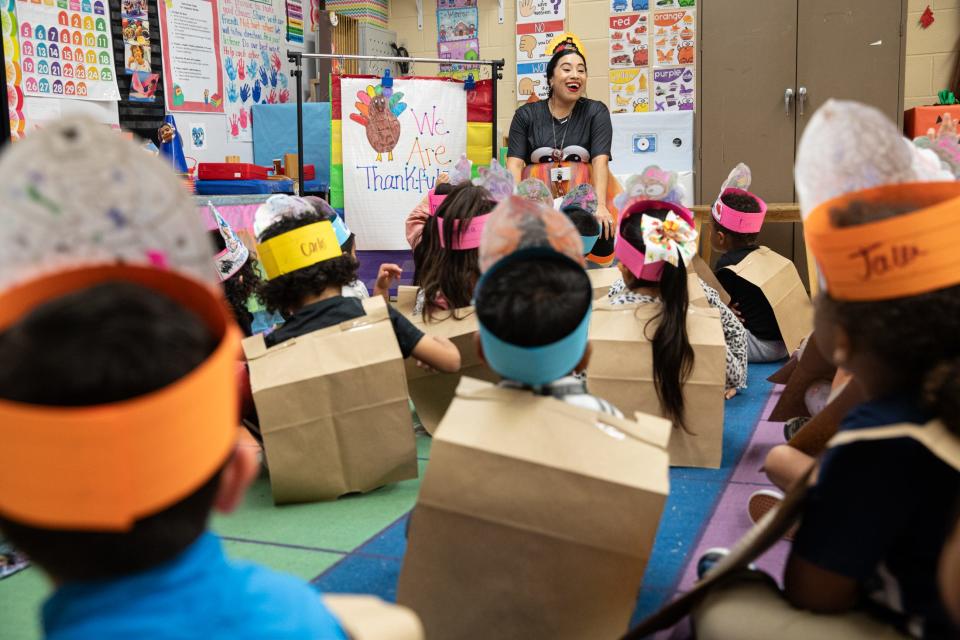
(565, 140)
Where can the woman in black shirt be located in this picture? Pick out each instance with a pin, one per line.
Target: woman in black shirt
(569, 128)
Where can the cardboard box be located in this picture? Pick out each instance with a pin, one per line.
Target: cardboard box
(706, 274)
(780, 283)
(333, 409)
(370, 618)
(621, 371)
(433, 391)
(535, 519)
(918, 120)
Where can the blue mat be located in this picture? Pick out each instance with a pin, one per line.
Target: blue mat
(374, 567)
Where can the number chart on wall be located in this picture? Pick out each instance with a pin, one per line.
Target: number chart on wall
(652, 55)
(66, 49)
(538, 22)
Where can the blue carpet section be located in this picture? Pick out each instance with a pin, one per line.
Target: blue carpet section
(374, 567)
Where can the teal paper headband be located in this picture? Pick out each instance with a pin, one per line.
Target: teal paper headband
(341, 229)
(588, 243)
(534, 365)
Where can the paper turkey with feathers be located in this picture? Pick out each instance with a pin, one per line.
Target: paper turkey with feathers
(379, 109)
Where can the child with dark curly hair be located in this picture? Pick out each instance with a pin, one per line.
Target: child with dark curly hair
(237, 269)
(306, 272)
(881, 505)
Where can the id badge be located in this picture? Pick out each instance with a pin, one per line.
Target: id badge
(560, 174)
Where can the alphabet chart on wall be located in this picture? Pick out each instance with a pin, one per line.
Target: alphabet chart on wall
(66, 49)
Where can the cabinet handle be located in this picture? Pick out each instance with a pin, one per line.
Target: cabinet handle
(801, 99)
(787, 99)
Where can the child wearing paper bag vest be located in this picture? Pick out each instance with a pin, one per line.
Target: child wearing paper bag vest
(533, 306)
(655, 239)
(881, 505)
(306, 272)
(737, 219)
(427, 207)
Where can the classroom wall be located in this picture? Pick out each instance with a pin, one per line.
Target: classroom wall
(931, 53)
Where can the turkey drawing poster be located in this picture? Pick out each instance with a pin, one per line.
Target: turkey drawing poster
(251, 32)
(396, 141)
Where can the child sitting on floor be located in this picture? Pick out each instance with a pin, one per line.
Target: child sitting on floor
(308, 290)
(388, 273)
(533, 303)
(737, 219)
(237, 270)
(880, 508)
(449, 273)
(665, 283)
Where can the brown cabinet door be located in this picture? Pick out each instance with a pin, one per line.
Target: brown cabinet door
(850, 49)
(748, 62)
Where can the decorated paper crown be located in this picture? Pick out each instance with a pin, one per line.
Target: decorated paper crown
(340, 227)
(583, 197)
(665, 241)
(102, 467)
(566, 42)
(300, 248)
(534, 189)
(499, 184)
(518, 223)
(653, 183)
(541, 364)
(850, 146)
(895, 257)
(234, 254)
(276, 207)
(738, 183)
(938, 152)
(462, 172)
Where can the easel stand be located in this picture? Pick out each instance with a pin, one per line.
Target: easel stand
(296, 57)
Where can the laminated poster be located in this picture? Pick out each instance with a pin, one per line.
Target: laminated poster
(674, 37)
(673, 89)
(295, 22)
(673, 4)
(533, 38)
(192, 73)
(14, 72)
(136, 33)
(540, 10)
(629, 40)
(457, 24)
(532, 78)
(456, 4)
(459, 50)
(621, 6)
(66, 50)
(251, 38)
(395, 142)
(629, 90)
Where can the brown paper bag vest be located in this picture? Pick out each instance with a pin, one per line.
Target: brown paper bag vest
(370, 618)
(333, 409)
(535, 518)
(780, 283)
(703, 270)
(621, 371)
(811, 366)
(602, 279)
(432, 392)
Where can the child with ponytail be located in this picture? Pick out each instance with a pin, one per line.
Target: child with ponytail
(649, 227)
(882, 503)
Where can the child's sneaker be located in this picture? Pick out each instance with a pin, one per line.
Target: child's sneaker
(761, 502)
(711, 557)
(792, 426)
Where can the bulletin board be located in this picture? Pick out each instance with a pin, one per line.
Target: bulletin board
(389, 145)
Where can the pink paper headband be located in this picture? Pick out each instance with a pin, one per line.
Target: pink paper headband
(631, 257)
(470, 238)
(738, 221)
(435, 202)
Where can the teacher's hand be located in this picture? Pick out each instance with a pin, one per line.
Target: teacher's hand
(606, 221)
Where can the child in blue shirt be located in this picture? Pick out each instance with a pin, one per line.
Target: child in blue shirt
(166, 576)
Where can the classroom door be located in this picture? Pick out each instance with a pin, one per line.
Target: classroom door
(748, 67)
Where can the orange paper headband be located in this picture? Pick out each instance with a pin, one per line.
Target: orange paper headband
(897, 257)
(103, 467)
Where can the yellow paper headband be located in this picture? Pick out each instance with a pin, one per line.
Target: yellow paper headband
(897, 257)
(299, 248)
(103, 467)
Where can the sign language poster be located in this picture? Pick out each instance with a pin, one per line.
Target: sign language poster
(395, 144)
